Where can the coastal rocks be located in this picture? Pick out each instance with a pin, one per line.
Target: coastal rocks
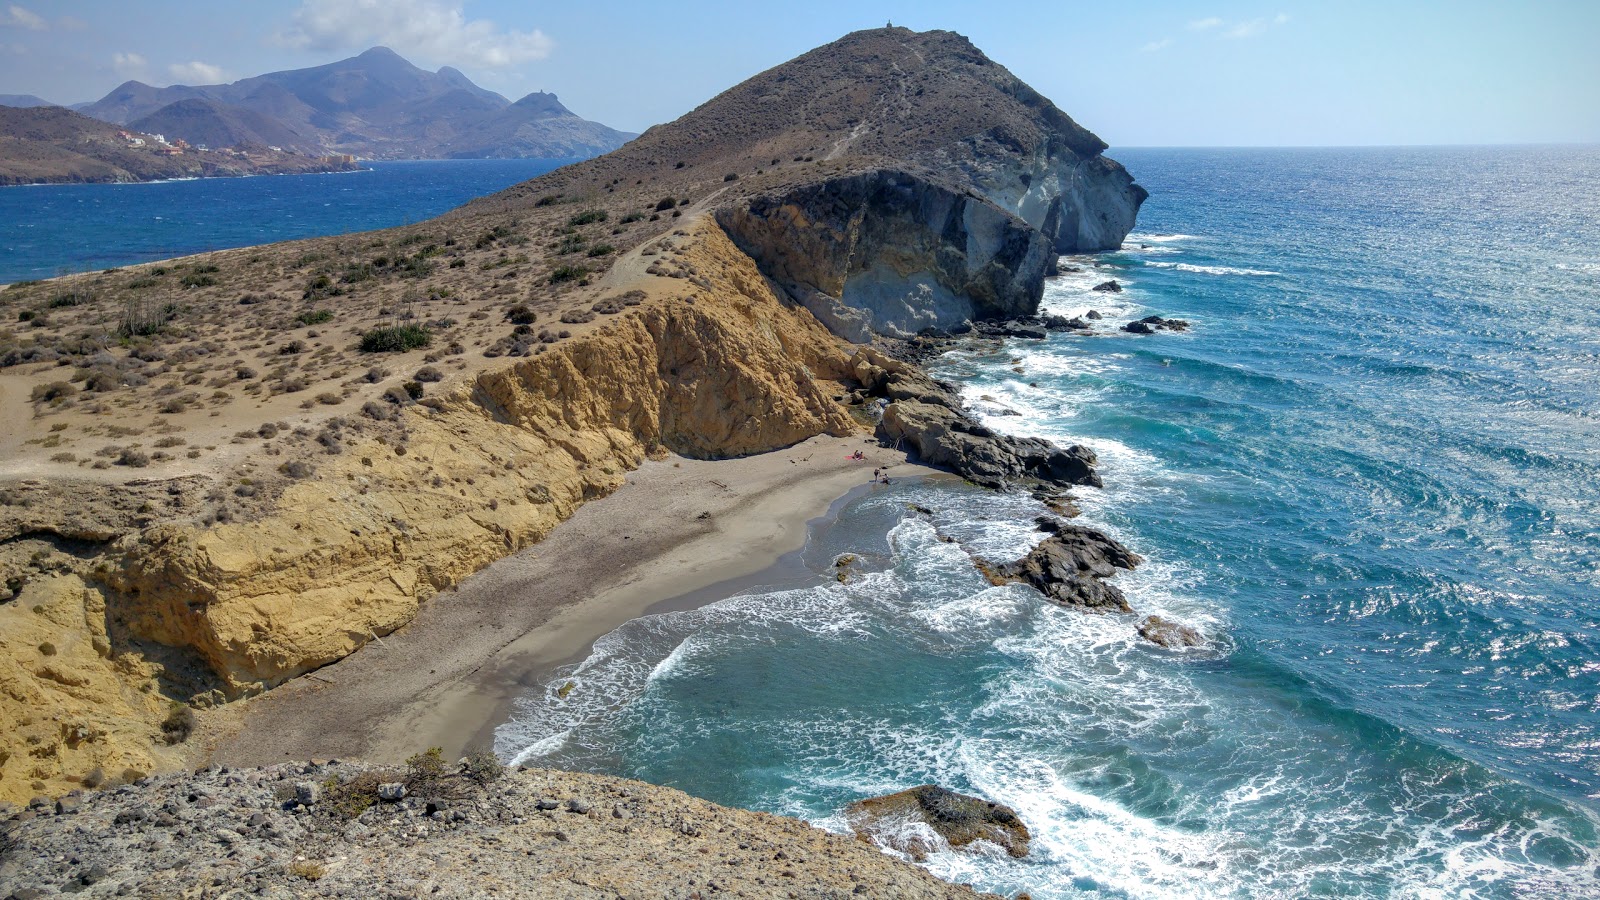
(221, 832)
(1108, 287)
(928, 417)
(1149, 325)
(944, 437)
(889, 252)
(918, 820)
(1069, 568)
(1165, 633)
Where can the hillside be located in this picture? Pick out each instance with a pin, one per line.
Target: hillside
(56, 145)
(232, 470)
(320, 831)
(207, 123)
(23, 101)
(375, 105)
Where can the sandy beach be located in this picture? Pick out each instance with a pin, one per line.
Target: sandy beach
(678, 527)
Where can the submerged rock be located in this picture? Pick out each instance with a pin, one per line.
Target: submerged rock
(959, 819)
(1172, 635)
(1149, 324)
(1069, 568)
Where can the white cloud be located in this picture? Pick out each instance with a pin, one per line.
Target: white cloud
(196, 73)
(1204, 24)
(17, 17)
(1162, 44)
(437, 31)
(129, 65)
(1246, 29)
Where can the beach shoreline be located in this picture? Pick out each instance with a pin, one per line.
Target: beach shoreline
(680, 533)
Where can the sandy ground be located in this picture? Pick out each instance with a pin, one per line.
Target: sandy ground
(676, 528)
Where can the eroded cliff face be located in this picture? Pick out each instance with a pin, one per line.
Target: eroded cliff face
(720, 368)
(894, 253)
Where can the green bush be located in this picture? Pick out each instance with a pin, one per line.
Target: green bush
(314, 316)
(568, 273)
(395, 339)
(196, 280)
(588, 216)
(601, 250)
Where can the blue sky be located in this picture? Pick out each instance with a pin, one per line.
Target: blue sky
(1148, 74)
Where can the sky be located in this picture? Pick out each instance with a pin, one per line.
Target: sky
(1149, 74)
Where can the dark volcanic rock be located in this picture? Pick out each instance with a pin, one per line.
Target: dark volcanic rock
(1014, 328)
(1149, 324)
(892, 252)
(944, 437)
(1171, 635)
(1070, 566)
(1109, 287)
(1093, 315)
(927, 416)
(958, 818)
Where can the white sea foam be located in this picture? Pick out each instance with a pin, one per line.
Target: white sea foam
(1208, 270)
(1139, 237)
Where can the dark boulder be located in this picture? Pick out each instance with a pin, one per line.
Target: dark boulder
(1139, 328)
(1149, 324)
(1109, 287)
(959, 819)
(1171, 635)
(1093, 315)
(945, 437)
(1069, 568)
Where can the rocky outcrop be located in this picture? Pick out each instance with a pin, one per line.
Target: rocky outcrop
(1169, 634)
(888, 252)
(929, 419)
(430, 830)
(1150, 324)
(929, 818)
(1070, 568)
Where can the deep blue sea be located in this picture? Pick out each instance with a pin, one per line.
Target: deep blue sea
(1370, 474)
(50, 230)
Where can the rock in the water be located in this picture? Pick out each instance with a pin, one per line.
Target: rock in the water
(1070, 566)
(1093, 315)
(1149, 324)
(1109, 287)
(957, 818)
(1171, 635)
(942, 436)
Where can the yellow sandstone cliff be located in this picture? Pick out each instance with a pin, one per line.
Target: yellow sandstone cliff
(714, 367)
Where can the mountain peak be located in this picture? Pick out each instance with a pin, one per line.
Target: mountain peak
(380, 52)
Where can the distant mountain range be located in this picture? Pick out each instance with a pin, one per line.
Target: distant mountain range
(376, 105)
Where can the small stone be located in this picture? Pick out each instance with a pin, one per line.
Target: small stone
(577, 805)
(391, 792)
(67, 805)
(547, 804)
(307, 793)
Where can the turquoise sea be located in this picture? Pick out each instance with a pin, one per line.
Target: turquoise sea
(50, 230)
(1370, 473)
